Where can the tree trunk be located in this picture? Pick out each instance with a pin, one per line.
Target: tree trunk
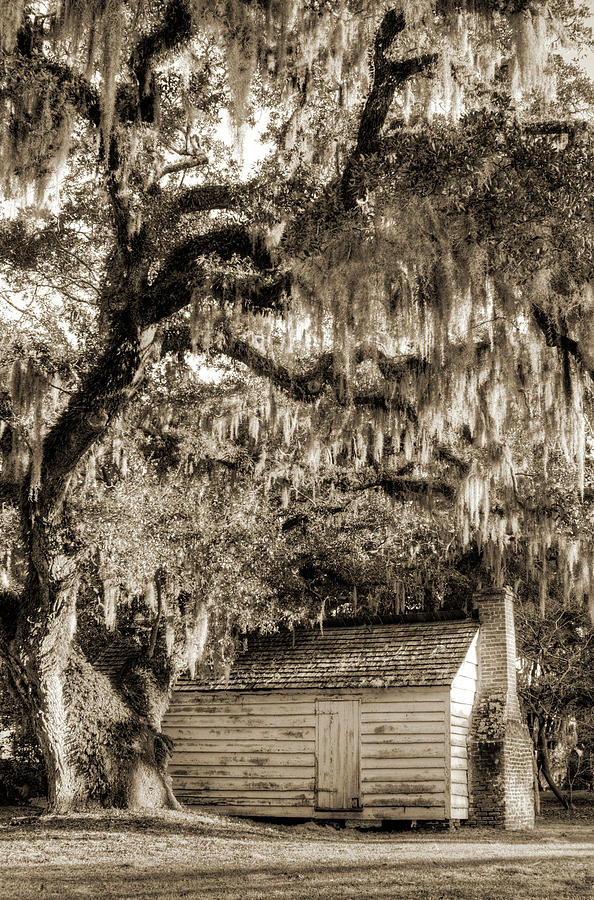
(100, 737)
(545, 767)
(536, 785)
(116, 735)
(100, 740)
(99, 750)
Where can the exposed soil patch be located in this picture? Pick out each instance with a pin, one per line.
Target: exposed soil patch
(111, 855)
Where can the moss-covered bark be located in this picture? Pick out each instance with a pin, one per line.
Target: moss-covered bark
(100, 737)
(120, 756)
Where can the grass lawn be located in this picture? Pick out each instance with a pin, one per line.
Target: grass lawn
(196, 854)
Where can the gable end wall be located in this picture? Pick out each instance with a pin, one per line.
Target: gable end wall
(462, 695)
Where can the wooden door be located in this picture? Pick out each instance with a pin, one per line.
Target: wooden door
(337, 753)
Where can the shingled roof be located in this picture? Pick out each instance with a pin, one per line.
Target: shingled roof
(419, 654)
(111, 659)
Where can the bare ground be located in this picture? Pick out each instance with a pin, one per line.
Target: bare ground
(111, 855)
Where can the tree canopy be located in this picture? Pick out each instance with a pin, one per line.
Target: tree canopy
(395, 303)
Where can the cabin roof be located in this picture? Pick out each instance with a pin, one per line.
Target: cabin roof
(111, 659)
(419, 654)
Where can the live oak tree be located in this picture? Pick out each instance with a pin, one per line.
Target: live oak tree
(412, 266)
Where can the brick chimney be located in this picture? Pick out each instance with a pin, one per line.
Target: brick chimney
(501, 780)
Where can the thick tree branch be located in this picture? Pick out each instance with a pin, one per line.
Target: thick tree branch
(203, 198)
(192, 162)
(200, 198)
(305, 387)
(313, 384)
(393, 484)
(556, 338)
(6, 411)
(173, 288)
(174, 285)
(9, 490)
(257, 293)
(446, 455)
(107, 387)
(573, 130)
(159, 582)
(388, 76)
(183, 271)
(175, 27)
(398, 486)
(77, 91)
(113, 380)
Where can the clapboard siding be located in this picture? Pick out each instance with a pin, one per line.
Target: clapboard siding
(229, 745)
(242, 772)
(403, 764)
(243, 749)
(423, 801)
(413, 752)
(397, 786)
(240, 733)
(461, 702)
(253, 804)
(214, 720)
(393, 713)
(371, 730)
(259, 750)
(206, 758)
(242, 785)
(401, 738)
(188, 700)
(421, 772)
(406, 765)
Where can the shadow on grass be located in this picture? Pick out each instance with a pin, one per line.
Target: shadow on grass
(21, 823)
(190, 824)
(110, 825)
(486, 879)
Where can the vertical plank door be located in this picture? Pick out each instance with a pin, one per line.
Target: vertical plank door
(337, 752)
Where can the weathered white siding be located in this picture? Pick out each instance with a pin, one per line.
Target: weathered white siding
(461, 700)
(243, 750)
(306, 753)
(403, 752)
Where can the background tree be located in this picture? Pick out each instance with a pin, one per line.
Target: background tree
(411, 266)
(556, 678)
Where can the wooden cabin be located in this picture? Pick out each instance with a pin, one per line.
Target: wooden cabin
(353, 723)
